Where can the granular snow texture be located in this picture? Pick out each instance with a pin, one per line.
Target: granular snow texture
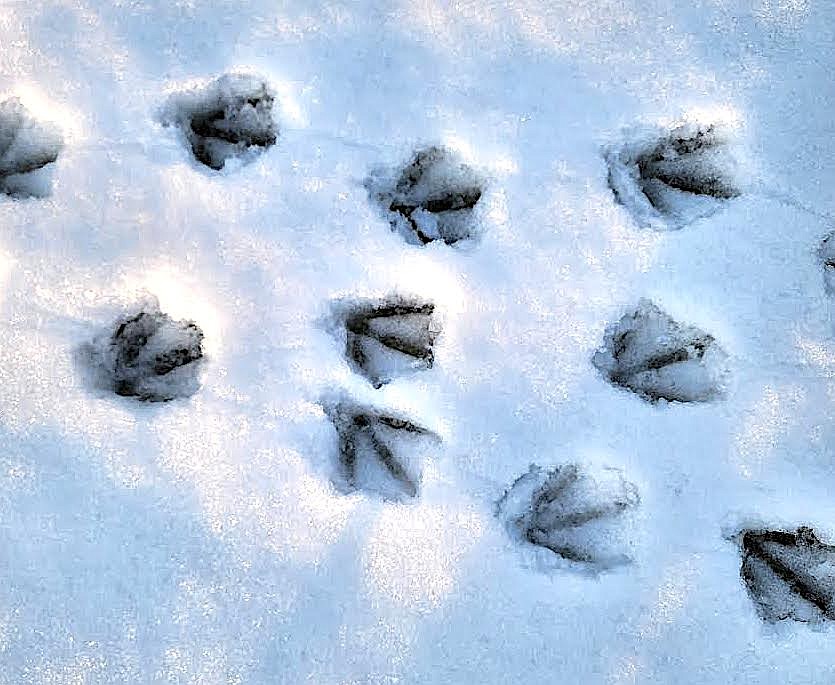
(582, 170)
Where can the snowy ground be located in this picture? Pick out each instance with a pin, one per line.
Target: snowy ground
(206, 540)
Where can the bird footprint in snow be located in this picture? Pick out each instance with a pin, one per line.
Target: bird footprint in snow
(377, 451)
(386, 339)
(577, 512)
(789, 575)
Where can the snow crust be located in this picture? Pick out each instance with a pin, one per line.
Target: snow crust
(208, 539)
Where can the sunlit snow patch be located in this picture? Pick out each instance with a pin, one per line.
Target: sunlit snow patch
(414, 555)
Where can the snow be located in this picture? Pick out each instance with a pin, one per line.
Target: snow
(208, 539)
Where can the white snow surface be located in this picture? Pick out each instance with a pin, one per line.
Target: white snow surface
(203, 540)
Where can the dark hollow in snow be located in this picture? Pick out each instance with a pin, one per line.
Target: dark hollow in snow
(671, 180)
(367, 444)
(232, 117)
(26, 147)
(649, 353)
(575, 512)
(432, 198)
(789, 575)
(827, 256)
(388, 338)
(150, 356)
